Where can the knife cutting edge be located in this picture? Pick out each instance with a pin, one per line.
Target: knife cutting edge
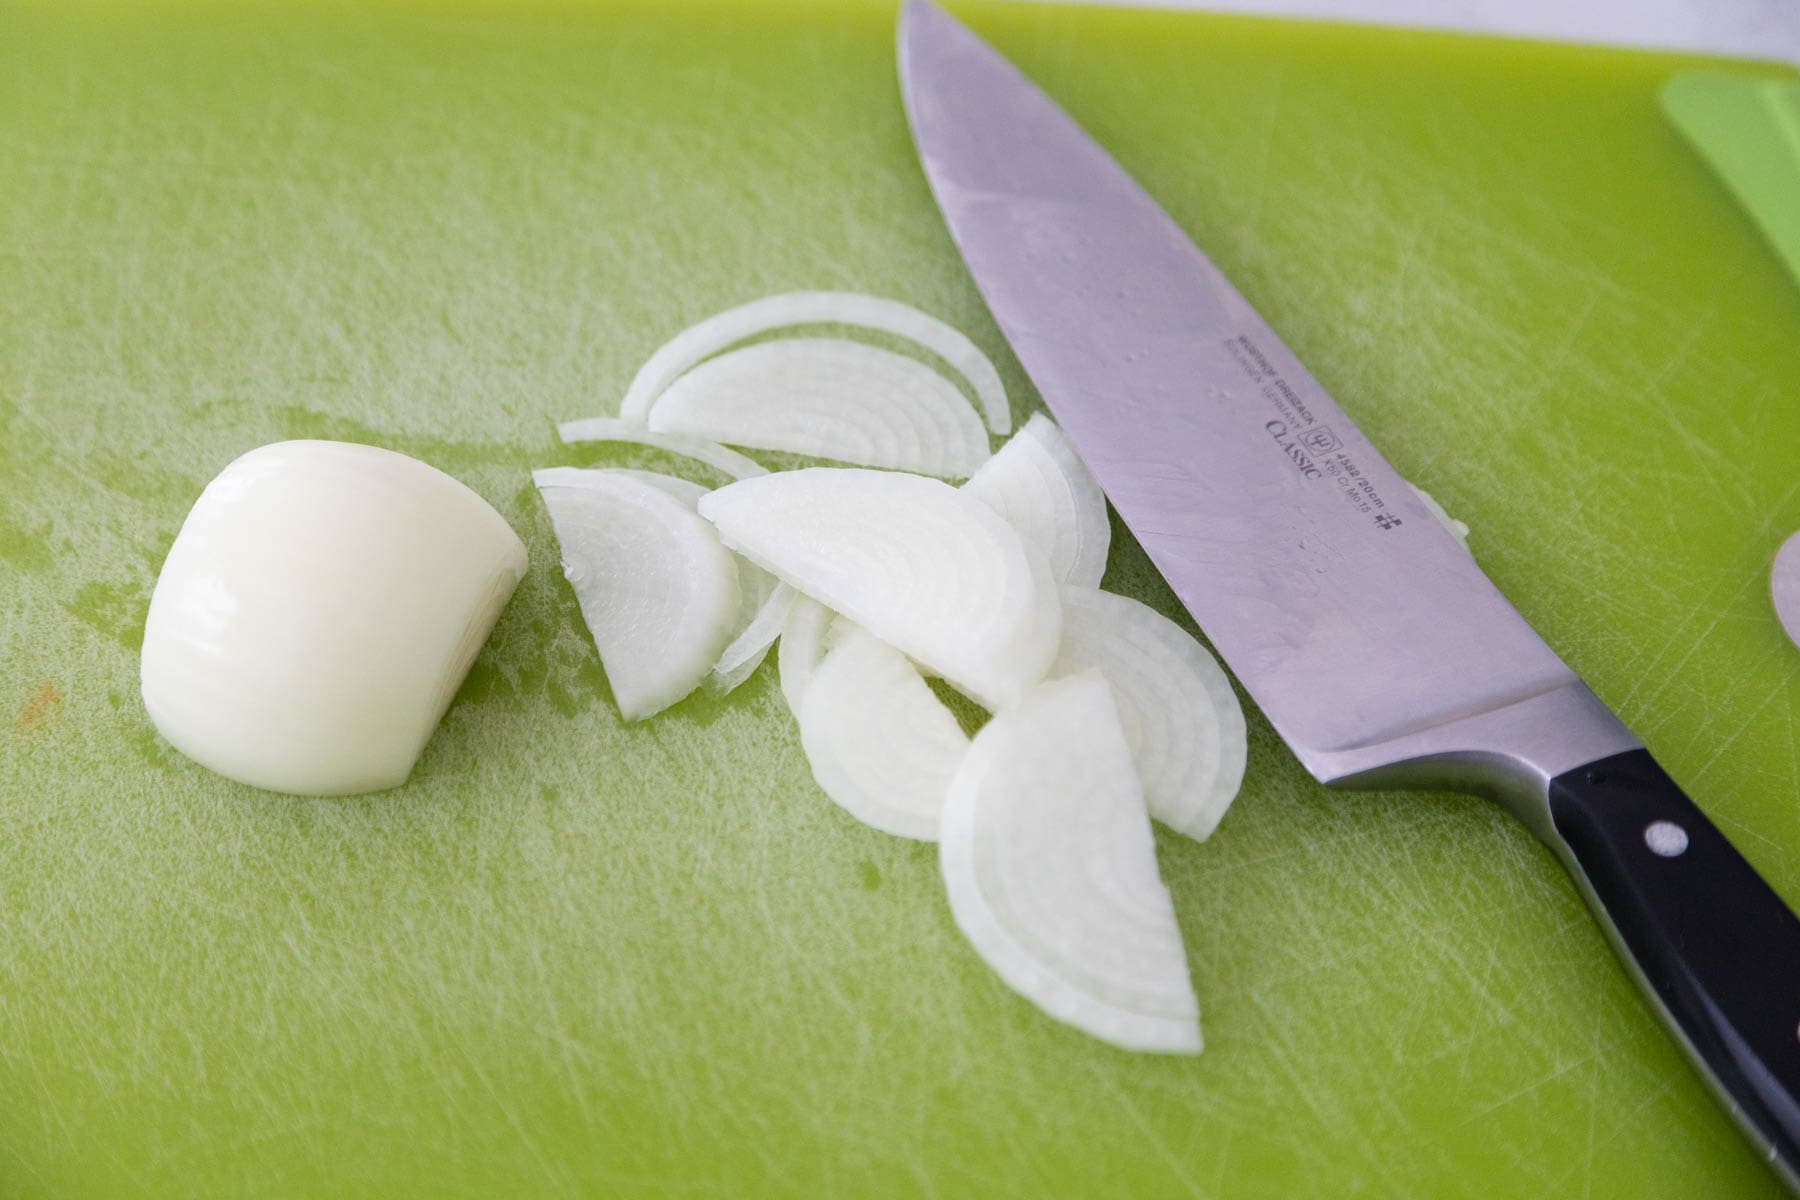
(1370, 639)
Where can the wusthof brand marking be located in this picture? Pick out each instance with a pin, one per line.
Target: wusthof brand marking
(1294, 450)
(1313, 449)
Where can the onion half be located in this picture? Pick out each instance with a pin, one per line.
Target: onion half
(1181, 719)
(657, 591)
(932, 572)
(716, 333)
(1050, 868)
(828, 398)
(318, 611)
(879, 742)
(1038, 484)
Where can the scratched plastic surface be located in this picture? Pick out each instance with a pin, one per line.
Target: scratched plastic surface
(572, 958)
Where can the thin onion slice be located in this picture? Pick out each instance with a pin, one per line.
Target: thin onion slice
(1181, 719)
(1050, 867)
(752, 644)
(829, 398)
(612, 429)
(684, 490)
(1052, 499)
(1456, 527)
(658, 592)
(691, 345)
(880, 743)
(932, 572)
(808, 632)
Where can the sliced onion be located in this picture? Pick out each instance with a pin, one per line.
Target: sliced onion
(748, 649)
(1449, 522)
(717, 332)
(880, 743)
(809, 631)
(684, 490)
(756, 587)
(658, 592)
(612, 429)
(1038, 484)
(932, 572)
(828, 398)
(1181, 719)
(1050, 867)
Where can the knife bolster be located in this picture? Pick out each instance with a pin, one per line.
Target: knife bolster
(1509, 754)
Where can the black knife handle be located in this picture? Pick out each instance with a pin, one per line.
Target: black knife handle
(1712, 942)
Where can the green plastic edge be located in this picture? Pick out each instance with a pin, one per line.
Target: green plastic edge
(1748, 131)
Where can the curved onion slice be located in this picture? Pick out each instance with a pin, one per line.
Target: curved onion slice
(748, 649)
(1051, 498)
(1050, 867)
(829, 398)
(673, 358)
(658, 592)
(932, 572)
(1460, 529)
(612, 429)
(684, 490)
(756, 587)
(879, 742)
(1181, 719)
(808, 632)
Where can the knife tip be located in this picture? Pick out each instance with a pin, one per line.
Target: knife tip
(918, 18)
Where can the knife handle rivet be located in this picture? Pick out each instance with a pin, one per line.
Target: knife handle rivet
(1665, 838)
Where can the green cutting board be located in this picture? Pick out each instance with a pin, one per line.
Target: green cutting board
(576, 958)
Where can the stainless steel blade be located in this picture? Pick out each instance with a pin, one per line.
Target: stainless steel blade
(1354, 619)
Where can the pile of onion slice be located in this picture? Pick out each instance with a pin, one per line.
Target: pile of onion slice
(1104, 713)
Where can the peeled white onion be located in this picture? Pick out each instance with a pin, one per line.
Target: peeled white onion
(734, 325)
(828, 398)
(317, 612)
(1038, 484)
(932, 572)
(1050, 868)
(879, 741)
(1181, 719)
(612, 429)
(658, 592)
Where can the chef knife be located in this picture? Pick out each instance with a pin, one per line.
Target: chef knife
(1363, 629)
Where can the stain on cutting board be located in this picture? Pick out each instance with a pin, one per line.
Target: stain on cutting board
(575, 958)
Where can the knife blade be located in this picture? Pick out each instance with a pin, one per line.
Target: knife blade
(1368, 636)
